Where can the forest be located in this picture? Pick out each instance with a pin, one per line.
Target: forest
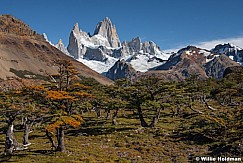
(76, 119)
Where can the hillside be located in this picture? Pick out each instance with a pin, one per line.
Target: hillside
(26, 54)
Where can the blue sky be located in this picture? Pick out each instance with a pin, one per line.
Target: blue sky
(169, 23)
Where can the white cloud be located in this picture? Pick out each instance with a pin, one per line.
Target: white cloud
(238, 41)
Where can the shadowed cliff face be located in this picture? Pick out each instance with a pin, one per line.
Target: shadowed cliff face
(121, 70)
(23, 49)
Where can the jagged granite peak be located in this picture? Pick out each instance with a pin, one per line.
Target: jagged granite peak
(60, 42)
(132, 47)
(60, 45)
(151, 48)
(80, 41)
(76, 28)
(106, 29)
(135, 45)
(121, 70)
(74, 45)
(44, 35)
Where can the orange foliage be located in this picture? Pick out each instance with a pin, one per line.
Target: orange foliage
(74, 121)
(71, 121)
(37, 88)
(59, 95)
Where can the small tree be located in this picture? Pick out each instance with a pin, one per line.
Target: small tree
(115, 99)
(63, 102)
(11, 107)
(148, 94)
(32, 99)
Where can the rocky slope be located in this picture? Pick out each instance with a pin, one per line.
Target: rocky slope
(121, 70)
(216, 67)
(193, 60)
(24, 53)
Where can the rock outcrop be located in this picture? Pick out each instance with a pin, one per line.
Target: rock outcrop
(136, 46)
(97, 54)
(106, 29)
(12, 25)
(216, 67)
(74, 42)
(61, 47)
(121, 70)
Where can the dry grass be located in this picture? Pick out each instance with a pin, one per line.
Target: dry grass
(99, 141)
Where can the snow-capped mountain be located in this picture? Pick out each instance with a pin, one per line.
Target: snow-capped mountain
(194, 60)
(103, 49)
(232, 51)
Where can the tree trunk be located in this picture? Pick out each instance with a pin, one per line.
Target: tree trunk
(10, 142)
(60, 140)
(23, 121)
(155, 119)
(53, 144)
(114, 122)
(108, 114)
(141, 118)
(27, 128)
(197, 111)
(98, 112)
(206, 103)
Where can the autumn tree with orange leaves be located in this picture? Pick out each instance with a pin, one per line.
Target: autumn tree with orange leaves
(63, 101)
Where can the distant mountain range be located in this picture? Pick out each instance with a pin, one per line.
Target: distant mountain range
(22, 49)
(104, 53)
